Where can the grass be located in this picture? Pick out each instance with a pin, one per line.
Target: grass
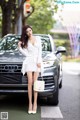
(71, 59)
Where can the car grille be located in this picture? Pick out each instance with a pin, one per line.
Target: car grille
(10, 68)
(10, 74)
(49, 81)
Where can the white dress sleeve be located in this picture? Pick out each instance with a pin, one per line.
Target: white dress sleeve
(24, 51)
(39, 52)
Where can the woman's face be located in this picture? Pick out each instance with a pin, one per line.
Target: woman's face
(29, 32)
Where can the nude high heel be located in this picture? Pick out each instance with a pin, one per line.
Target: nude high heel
(30, 111)
(34, 111)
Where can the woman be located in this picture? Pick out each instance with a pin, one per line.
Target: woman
(30, 46)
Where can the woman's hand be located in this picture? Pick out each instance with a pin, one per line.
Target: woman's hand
(39, 65)
(19, 44)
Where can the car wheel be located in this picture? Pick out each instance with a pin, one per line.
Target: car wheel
(54, 99)
(60, 85)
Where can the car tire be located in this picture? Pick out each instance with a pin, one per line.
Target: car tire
(54, 99)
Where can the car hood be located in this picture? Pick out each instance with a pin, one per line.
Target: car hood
(11, 56)
(18, 57)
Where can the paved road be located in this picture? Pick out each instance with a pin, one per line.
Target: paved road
(68, 108)
(71, 68)
(70, 97)
(69, 104)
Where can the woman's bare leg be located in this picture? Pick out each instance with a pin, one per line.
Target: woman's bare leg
(35, 93)
(29, 75)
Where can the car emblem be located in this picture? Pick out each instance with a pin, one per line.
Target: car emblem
(10, 68)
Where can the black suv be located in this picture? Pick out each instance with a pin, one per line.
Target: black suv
(11, 78)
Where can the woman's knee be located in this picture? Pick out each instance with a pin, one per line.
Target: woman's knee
(29, 75)
(30, 81)
(36, 74)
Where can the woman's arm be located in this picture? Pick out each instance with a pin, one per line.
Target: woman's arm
(22, 50)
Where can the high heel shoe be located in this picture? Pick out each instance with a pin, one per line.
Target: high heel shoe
(34, 112)
(30, 111)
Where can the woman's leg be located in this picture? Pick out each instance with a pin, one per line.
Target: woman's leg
(35, 93)
(29, 75)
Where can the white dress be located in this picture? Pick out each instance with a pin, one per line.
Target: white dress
(33, 55)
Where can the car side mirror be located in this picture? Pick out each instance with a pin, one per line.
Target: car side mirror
(60, 49)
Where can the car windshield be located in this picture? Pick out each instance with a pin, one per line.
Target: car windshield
(10, 43)
(46, 44)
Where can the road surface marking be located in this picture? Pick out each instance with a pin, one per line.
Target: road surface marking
(51, 112)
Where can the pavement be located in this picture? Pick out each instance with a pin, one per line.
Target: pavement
(71, 68)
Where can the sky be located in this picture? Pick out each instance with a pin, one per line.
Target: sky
(69, 14)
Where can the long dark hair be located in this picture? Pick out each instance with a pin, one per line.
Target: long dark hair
(24, 36)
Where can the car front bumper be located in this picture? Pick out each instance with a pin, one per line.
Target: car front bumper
(16, 85)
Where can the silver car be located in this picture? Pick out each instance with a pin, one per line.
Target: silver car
(11, 78)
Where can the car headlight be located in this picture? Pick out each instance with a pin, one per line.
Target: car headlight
(49, 60)
(48, 63)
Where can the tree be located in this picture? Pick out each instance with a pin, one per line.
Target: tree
(41, 20)
(7, 7)
(10, 15)
(40, 16)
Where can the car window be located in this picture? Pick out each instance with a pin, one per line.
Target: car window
(46, 45)
(10, 43)
(3, 44)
